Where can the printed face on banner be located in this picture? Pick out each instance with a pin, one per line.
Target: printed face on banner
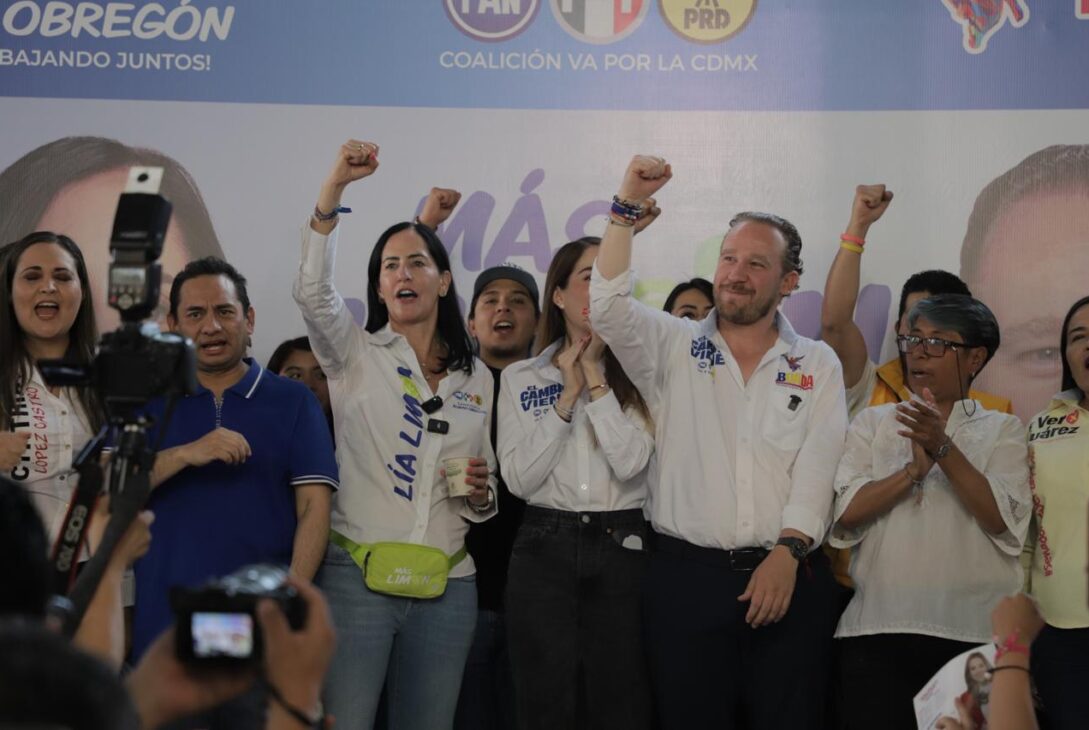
(1041, 242)
(84, 212)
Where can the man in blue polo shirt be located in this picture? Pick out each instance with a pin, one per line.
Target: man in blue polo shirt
(246, 467)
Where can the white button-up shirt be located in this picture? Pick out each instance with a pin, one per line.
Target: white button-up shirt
(738, 462)
(58, 429)
(598, 462)
(391, 484)
(926, 566)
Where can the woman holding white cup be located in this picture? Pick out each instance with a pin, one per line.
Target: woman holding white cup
(407, 393)
(575, 442)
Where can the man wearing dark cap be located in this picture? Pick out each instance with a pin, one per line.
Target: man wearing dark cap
(503, 318)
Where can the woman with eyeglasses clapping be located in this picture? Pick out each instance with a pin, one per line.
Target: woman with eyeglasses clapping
(932, 497)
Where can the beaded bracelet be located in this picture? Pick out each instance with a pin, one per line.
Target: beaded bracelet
(332, 214)
(625, 209)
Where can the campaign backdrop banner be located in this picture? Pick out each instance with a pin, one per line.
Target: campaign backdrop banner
(532, 109)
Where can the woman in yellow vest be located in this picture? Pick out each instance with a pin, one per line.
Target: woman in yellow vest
(1059, 468)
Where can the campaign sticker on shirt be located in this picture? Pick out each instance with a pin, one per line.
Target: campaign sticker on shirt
(706, 354)
(791, 377)
(462, 400)
(1053, 428)
(539, 399)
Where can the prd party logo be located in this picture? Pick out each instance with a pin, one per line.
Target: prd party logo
(491, 20)
(600, 21)
(982, 18)
(706, 21)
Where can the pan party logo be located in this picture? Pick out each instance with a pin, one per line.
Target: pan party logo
(707, 21)
(600, 21)
(491, 20)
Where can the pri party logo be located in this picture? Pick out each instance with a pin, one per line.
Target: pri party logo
(982, 18)
(600, 21)
(491, 20)
(707, 21)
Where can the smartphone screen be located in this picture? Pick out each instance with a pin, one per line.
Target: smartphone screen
(222, 635)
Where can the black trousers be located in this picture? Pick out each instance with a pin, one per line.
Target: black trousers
(710, 669)
(881, 674)
(1060, 669)
(573, 620)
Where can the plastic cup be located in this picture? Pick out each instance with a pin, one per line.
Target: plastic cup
(457, 469)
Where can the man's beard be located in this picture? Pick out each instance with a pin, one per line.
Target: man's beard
(502, 352)
(746, 314)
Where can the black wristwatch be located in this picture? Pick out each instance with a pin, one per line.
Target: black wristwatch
(943, 451)
(797, 546)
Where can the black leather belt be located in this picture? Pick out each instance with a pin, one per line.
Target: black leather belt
(743, 560)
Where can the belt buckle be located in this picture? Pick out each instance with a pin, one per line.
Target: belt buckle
(743, 561)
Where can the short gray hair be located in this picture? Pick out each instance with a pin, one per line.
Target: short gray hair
(968, 317)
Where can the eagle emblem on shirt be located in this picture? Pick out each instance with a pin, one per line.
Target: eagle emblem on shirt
(794, 362)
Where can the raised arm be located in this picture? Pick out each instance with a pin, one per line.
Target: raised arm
(355, 161)
(640, 337)
(644, 177)
(328, 322)
(838, 327)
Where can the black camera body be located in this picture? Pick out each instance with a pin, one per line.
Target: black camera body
(136, 362)
(217, 622)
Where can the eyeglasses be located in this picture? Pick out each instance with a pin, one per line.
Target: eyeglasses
(932, 346)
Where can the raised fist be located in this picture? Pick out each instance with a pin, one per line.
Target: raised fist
(644, 177)
(869, 205)
(439, 205)
(355, 160)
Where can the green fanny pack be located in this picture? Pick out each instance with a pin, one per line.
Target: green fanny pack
(401, 568)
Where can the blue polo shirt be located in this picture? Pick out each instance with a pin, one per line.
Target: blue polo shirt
(214, 519)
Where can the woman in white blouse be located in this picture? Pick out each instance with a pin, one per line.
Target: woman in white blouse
(406, 393)
(576, 444)
(932, 497)
(47, 314)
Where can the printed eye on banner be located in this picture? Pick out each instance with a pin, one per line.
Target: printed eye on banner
(600, 21)
(982, 18)
(491, 20)
(707, 21)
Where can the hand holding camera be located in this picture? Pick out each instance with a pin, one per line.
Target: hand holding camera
(290, 650)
